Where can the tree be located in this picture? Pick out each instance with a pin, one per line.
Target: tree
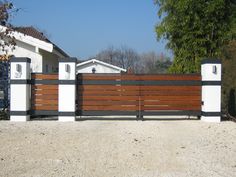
(194, 30)
(6, 40)
(107, 55)
(124, 57)
(229, 78)
(152, 63)
(129, 59)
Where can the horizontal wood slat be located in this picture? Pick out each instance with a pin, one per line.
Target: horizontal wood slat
(137, 93)
(45, 97)
(139, 77)
(170, 93)
(107, 87)
(81, 95)
(133, 87)
(97, 98)
(136, 108)
(46, 102)
(107, 103)
(44, 76)
(110, 108)
(45, 107)
(167, 97)
(48, 87)
(170, 102)
(182, 108)
(45, 92)
(141, 102)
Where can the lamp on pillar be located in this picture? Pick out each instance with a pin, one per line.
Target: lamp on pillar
(67, 68)
(214, 69)
(93, 70)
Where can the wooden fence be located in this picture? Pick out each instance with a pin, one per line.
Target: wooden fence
(125, 94)
(44, 99)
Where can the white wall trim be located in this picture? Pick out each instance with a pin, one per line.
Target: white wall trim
(102, 63)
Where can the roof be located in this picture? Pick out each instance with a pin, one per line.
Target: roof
(102, 63)
(31, 31)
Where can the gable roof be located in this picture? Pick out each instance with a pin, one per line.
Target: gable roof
(31, 31)
(102, 63)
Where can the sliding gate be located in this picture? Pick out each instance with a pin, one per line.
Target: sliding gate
(125, 94)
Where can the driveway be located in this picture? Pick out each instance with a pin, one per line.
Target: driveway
(118, 148)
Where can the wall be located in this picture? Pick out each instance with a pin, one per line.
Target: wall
(25, 50)
(50, 62)
(39, 58)
(87, 68)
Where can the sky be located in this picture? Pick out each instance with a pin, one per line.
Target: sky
(82, 28)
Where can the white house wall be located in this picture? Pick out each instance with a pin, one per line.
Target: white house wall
(87, 68)
(25, 50)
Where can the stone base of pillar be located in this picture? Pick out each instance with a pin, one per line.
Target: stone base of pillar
(66, 118)
(19, 118)
(216, 119)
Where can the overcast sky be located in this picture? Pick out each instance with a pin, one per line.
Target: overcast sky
(82, 28)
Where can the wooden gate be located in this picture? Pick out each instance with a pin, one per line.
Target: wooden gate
(125, 94)
(44, 91)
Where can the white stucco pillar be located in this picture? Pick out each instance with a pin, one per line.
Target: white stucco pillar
(211, 90)
(67, 89)
(20, 89)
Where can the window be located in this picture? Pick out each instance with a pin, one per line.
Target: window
(46, 68)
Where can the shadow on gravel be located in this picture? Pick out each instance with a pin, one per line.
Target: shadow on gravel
(134, 119)
(54, 118)
(44, 118)
(92, 118)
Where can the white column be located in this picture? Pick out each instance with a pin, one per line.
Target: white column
(67, 90)
(20, 89)
(211, 90)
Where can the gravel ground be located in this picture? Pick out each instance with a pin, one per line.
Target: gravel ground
(118, 148)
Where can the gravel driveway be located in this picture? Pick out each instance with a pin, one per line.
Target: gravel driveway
(118, 148)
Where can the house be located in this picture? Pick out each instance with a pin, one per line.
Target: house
(33, 44)
(97, 66)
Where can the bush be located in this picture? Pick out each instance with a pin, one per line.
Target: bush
(229, 78)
